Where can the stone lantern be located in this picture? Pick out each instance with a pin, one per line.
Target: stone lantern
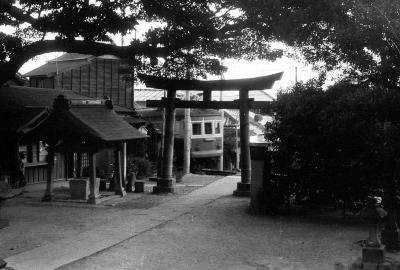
(391, 233)
(373, 252)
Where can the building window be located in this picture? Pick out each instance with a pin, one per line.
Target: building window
(40, 83)
(217, 127)
(208, 128)
(196, 129)
(35, 152)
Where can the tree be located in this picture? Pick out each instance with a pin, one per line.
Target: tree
(361, 36)
(191, 35)
(340, 144)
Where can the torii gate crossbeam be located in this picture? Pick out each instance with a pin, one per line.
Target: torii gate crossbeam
(166, 183)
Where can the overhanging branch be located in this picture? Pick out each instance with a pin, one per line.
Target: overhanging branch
(29, 51)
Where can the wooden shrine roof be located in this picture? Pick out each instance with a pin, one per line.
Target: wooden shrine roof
(30, 112)
(99, 122)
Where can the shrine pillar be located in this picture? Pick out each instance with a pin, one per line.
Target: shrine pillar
(94, 196)
(166, 183)
(49, 195)
(243, 187)
(119, 188)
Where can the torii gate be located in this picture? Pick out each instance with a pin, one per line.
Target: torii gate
(166, 183)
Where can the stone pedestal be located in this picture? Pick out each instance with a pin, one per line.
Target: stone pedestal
(165, 185)
(139, 186)
(243, 190)
(80, 189)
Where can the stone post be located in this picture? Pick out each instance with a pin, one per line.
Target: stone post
(166, 183)
(258, 158)
(131, 182)
(94, 196)
(119, 189)
(243, 187)
(49, 196)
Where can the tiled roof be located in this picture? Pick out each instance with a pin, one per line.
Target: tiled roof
(18, 97)
(101, 123)
(56, 67)
(19, 105)
(65, 63)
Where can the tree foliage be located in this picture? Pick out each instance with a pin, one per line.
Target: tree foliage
(190, 36)
(340, 144)
(361, 36)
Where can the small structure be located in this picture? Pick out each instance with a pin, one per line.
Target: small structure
(22, 108)
(83, 126)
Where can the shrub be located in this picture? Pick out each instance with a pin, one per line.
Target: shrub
(141, 167)
(341, 145)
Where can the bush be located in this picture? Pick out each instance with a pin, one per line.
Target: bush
(340, 145)
(141, 167)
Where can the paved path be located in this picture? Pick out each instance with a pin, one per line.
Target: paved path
(127, 225)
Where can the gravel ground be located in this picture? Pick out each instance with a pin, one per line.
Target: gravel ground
(222, 235)
(218, 235)
(33, 223)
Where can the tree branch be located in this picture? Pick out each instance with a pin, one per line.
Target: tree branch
(15, 12)
(21, 56)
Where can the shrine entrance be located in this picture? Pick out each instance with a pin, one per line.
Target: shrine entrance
(166, 183)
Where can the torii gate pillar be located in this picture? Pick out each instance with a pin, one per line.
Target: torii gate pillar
(243, 187)
(166, 183)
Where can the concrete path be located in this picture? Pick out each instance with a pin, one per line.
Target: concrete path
(122, 227)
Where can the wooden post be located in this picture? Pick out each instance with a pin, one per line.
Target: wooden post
(14, 160)
(167, 183)
(119, 189)
(123, 164)
(78, 165)
(49, 196)
(186, 139)
(243, 187)
(206, 95)
(94, 196)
